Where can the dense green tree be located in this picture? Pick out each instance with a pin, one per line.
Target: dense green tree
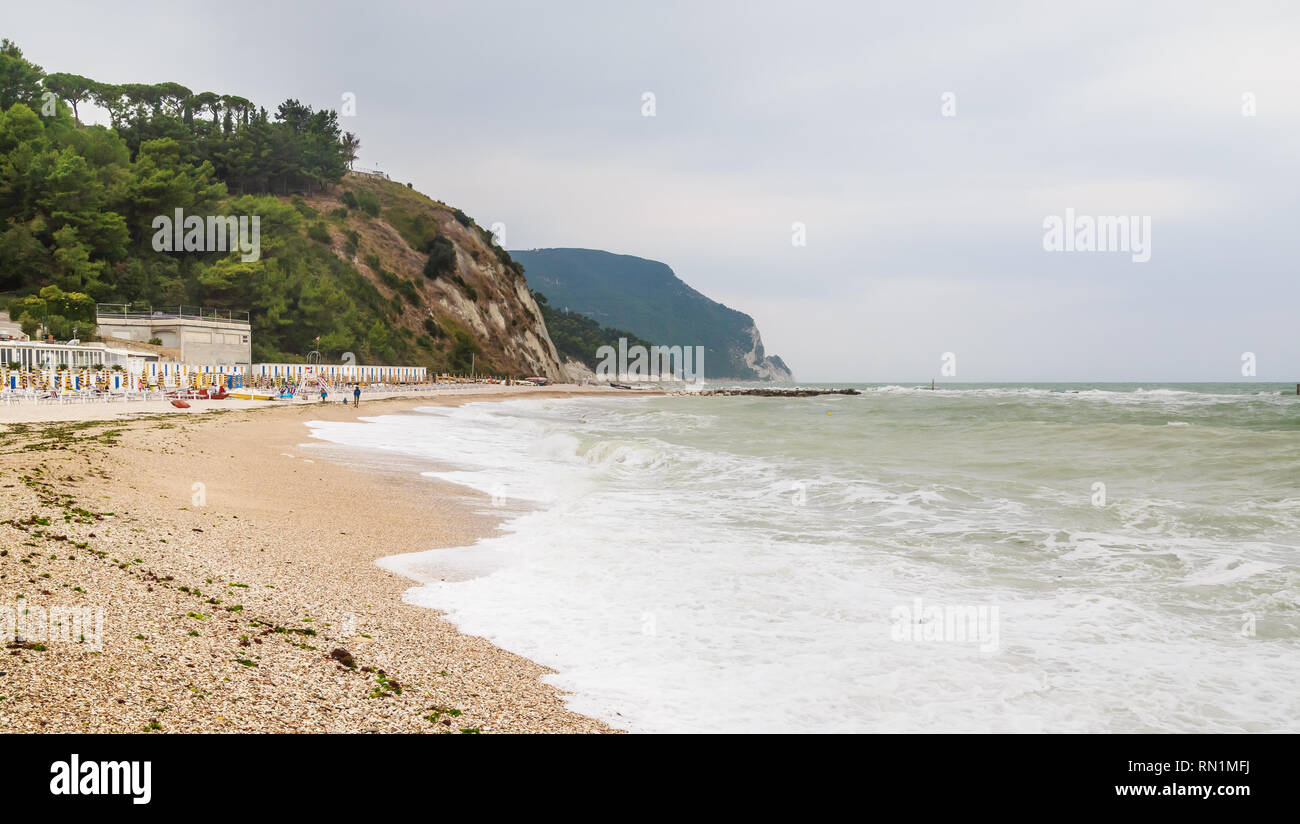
(23, 258)
(72, 89)
(351, 145)
(442, 258)
(63, 314)
(20, 79)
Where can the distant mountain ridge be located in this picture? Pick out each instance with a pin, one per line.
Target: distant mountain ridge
(648, 299)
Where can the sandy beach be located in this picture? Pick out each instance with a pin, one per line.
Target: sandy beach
(235, 572)
(28, 412)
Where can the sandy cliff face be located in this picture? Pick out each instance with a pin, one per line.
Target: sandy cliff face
(578, 372)
(481, 303)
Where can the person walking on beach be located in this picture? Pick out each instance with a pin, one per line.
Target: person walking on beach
(356, 395)
(324, 393)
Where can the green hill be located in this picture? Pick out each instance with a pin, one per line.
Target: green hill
(348, 263)
(644, 296)
(578, 337)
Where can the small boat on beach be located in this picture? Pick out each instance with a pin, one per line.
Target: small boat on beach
(252, 395)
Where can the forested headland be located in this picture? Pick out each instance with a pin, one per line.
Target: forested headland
(77, 203)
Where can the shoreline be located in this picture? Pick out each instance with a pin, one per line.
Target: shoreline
(26, 412)
(229, 564)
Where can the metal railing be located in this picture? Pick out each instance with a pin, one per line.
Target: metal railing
(133, 311)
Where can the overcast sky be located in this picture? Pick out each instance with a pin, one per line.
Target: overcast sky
(924, 231)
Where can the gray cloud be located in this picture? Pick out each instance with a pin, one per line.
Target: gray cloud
(925, 232)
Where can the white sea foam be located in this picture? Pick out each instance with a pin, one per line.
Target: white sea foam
(734, 564)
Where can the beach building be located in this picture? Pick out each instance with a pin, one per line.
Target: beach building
(191, 349)
(48, 355)
(210, 336)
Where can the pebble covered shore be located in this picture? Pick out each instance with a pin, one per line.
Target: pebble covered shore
(236, 577)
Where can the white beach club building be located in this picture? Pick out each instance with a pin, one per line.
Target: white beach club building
(42, 355)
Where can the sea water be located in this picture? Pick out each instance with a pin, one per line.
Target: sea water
(1004, 558)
